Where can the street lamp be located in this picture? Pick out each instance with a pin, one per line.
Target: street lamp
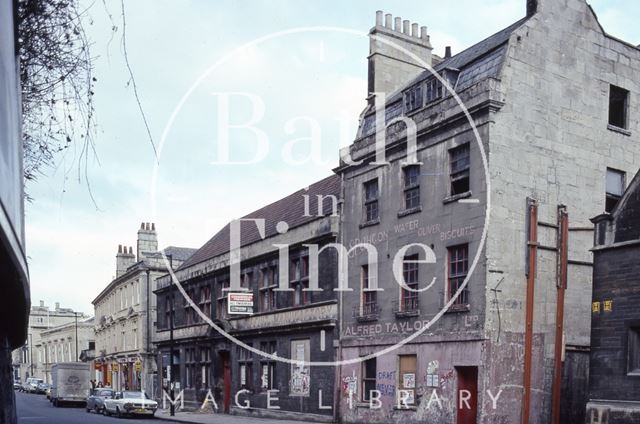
(76, 316)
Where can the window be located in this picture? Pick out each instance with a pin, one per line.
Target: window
(268, 285)
(459, 172)
(371, 201)
(633, 351)
(300, 280)
(458, 267)
(407, 378)
(434, 90)
(369, 301)
(299, 381)
(205, 300)
(190, 367)
(169, 312)
(618, 106)
(411, 186)
(268, 367)
(413, 98)
(245, 359)
(189, 313)
(368, 378)
(221, 302)
(205, 366)
(614, 188)
(409, 300)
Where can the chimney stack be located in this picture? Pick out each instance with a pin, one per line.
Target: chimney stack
(532, 7)
(57, 306)
(147, 240)
(42, 303)
(396, 55)
(447, 52)
(124, 259)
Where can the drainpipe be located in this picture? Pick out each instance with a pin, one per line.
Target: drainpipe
(532, 250)
(561, 283)
(338, 380)
(148, 344)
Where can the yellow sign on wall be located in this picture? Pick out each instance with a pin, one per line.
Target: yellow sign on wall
(595, 307)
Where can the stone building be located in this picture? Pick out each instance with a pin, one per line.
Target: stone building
(470, 224)
(614, 370)
(62, 343)
(124, 313)
(26, 362)
(277, 317)
(15, 301)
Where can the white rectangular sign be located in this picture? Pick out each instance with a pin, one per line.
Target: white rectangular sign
(240, 303)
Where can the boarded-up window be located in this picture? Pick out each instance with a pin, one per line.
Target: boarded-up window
(300, 374)
(407, 379)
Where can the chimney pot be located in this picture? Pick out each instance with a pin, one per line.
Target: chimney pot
(379, 18)
(387, 20)
(423, 32)
(119, 248)
(405, 26)
(153, 226)
(57, 305)
(397, 24)
(42, 303)
(131, 250)
(414, 30)
(447, 52)
(532, 7)
(142, 226)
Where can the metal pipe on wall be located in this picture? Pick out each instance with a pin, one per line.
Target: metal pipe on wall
(561, 284)
(532, 250)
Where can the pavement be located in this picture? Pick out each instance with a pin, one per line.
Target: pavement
(36, 409)
(211, 418)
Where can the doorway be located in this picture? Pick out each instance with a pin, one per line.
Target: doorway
(467, 395)
(226, 373)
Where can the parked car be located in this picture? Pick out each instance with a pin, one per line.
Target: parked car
(42, 388)
(17, 385)
(130, 403)
(95, 401)
(31, 384)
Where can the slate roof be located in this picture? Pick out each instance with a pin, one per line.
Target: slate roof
(289, 209)
(481, 61)
(177, 253)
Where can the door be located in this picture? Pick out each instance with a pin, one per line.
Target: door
(226, 369)
(467, 395)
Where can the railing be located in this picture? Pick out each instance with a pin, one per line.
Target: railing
(366, 312)
(408, 306)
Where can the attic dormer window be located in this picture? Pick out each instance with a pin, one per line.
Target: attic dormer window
(434, 90)
(413, 98)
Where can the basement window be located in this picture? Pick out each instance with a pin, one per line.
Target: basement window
(614, 188)
(633, 351)
(618, 107)
(459, 169)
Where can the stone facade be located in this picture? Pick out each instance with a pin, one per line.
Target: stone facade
(124, 311)
(293, 323)
(539, 94)
(58, 344)
(615, 320)
(26, 359)
(15, 301)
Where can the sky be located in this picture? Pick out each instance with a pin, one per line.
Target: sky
(273, 63)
